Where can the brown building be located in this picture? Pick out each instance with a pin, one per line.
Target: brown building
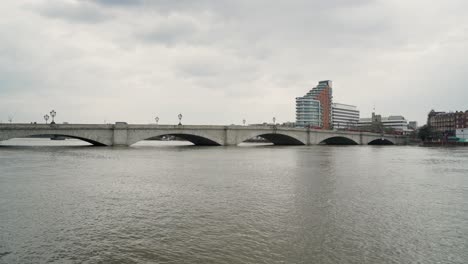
(325, 98)
(447, 122)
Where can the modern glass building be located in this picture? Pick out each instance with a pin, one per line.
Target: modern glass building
(315, 108)
(308, 112)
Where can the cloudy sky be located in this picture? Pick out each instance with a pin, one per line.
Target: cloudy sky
(219, 61)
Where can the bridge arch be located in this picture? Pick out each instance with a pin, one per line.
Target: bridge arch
(94, 142)
(278, 138)
(339, 140)
(381, 141)
(193, 137)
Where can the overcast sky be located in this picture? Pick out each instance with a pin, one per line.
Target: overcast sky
(219, 61)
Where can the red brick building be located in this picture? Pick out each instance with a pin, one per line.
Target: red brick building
(326, 106)
(447, 122)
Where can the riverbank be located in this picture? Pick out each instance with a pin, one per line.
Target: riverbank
(451, 144)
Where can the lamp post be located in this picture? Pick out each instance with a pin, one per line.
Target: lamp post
(274, 120)
(156, 119)
(180, 119)
(46, 118)
(243, 121)
(53, 114)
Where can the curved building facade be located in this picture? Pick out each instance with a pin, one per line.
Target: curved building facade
(315, 108)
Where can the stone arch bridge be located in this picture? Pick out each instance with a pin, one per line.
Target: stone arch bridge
(123, 134)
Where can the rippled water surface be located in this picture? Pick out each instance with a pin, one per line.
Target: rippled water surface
(162, 202)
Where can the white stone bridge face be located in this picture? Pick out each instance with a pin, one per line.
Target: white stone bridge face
(122, 134)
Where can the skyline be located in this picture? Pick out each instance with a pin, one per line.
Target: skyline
(218, 62)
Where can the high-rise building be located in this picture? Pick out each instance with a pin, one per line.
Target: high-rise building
(315, 108)
(344, 116)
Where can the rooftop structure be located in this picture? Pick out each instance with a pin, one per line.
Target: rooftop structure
(396, 122)
(413, 125)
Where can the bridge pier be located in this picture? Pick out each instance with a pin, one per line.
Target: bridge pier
(120, 134)
(230, 137)
(308, 142)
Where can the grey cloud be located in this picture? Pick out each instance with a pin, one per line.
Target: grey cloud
(71, 11)
(148, 53)
(216, 71)
(118, 2)
(169, 32)
(230, 7)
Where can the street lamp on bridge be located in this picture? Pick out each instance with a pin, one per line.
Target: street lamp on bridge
(243, 121)
(53, 114)
(274, 120)
(156, 119)
(180, 119)
(46, 118)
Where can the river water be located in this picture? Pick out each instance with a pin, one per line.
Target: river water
(169, 202)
